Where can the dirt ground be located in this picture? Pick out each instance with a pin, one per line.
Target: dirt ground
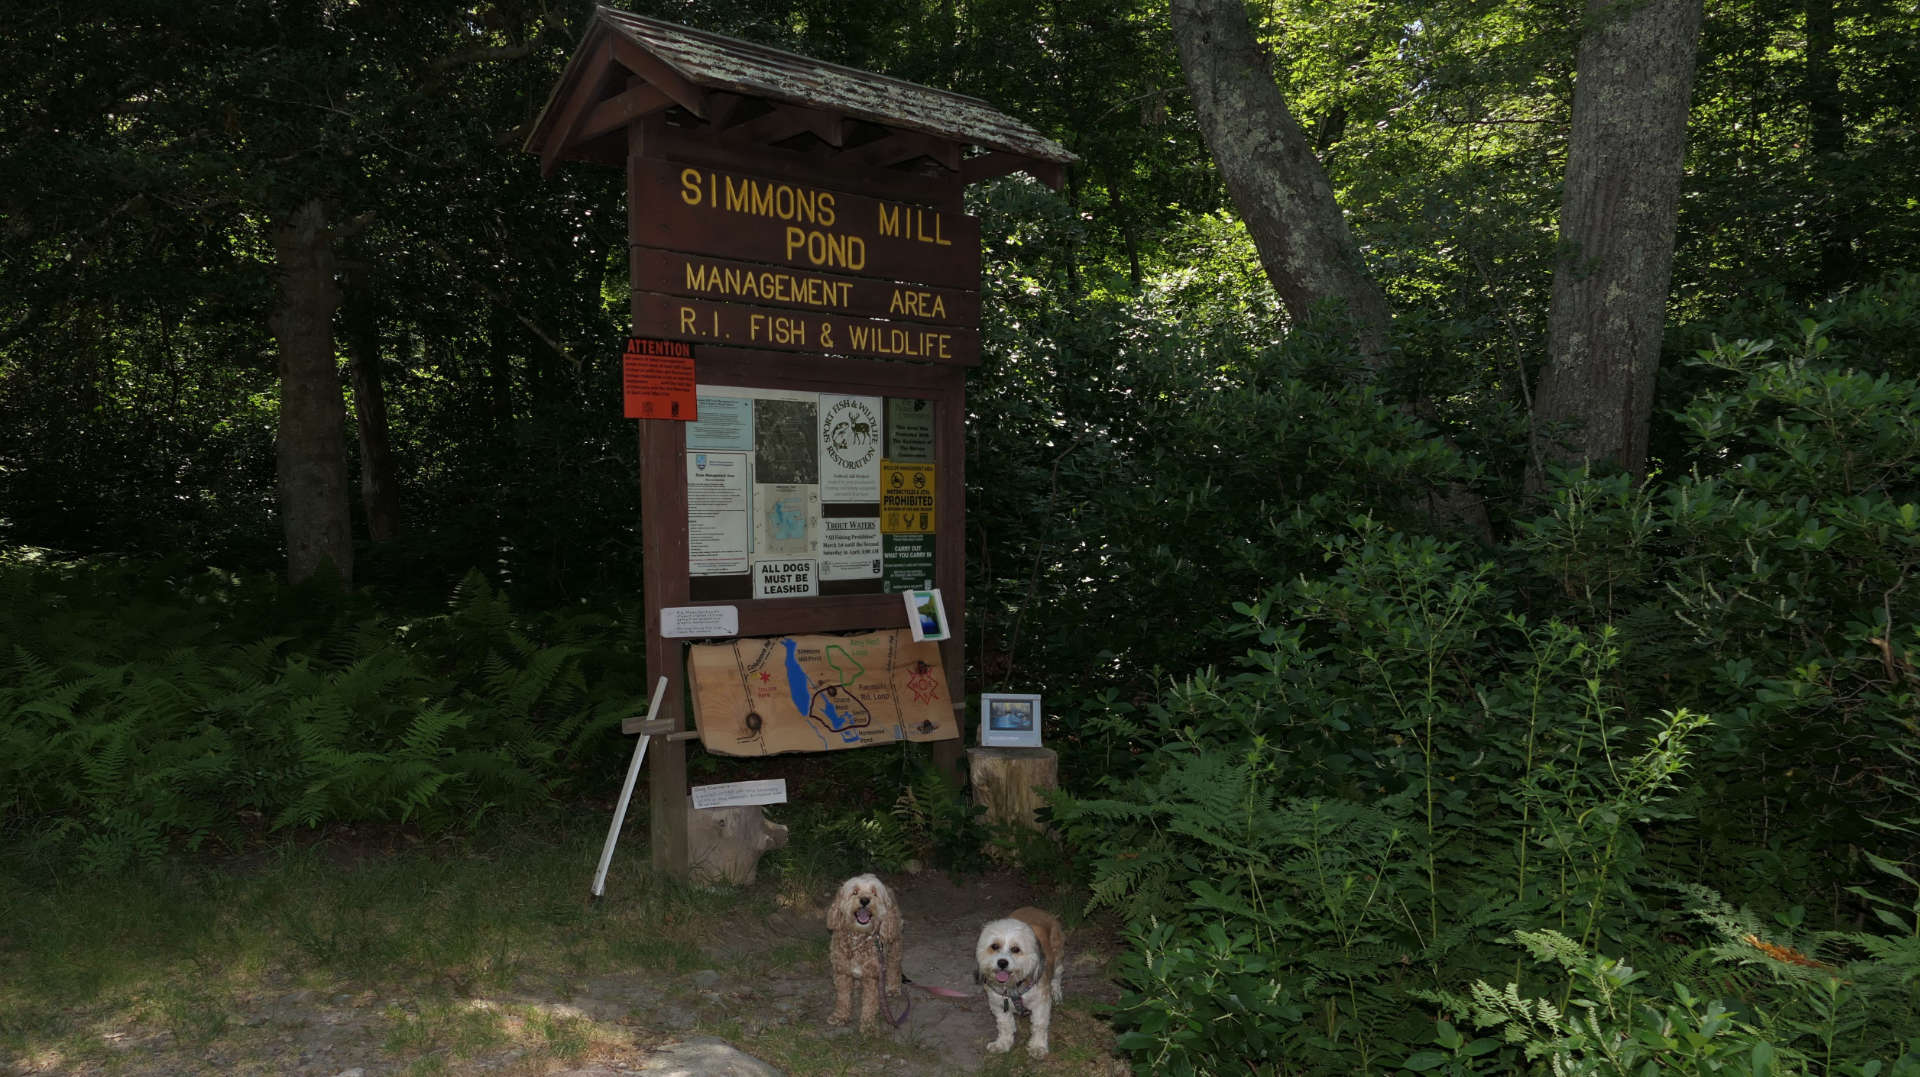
(764, 990)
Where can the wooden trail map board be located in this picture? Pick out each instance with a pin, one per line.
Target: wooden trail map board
(819, 693)
(800, 226)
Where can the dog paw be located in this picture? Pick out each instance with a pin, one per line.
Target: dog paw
(838, 1019)
(999, 1047)
(1036, 1050)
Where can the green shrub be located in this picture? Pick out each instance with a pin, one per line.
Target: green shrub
(1473, 773)
(137, 712)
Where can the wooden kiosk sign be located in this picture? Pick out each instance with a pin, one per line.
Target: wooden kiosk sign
(799, 241)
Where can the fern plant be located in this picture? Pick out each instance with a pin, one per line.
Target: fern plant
(122, 749)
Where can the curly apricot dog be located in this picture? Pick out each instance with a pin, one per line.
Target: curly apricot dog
(866, 946)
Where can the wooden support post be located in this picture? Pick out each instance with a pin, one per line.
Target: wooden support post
(663, 497)
(949, 557)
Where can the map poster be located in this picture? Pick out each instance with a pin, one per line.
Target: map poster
(850, 548)
(909, 430)
(907, 562)
(850, 449)
(786, 437)
(725, 422)
(718, 521)
(786, 520)
(818, 693)
(785, 579)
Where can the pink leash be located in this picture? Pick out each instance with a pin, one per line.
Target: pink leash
(943, 992)
(907, 1010)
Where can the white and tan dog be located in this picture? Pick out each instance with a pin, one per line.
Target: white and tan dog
(1020, 960)
(867, 928)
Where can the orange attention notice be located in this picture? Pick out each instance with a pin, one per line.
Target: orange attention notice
(657, 376)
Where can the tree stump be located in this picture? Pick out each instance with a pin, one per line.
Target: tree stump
(724, 845)
(1007, 782)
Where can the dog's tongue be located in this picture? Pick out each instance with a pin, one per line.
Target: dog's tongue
(1000, 974)
(863, 915)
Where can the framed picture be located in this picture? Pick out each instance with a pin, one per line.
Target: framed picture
(1009, 721)
(926, 615)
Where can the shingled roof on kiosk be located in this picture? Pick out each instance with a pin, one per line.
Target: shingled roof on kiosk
(752, 95)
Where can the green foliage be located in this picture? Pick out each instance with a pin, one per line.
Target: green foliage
(1792, 1014)
(1130, 463)
(939, 824)
(120, 747)
(1480, 776)
(1403, 772)
(1769, 586)
(1608, 1029)
(1194, 997)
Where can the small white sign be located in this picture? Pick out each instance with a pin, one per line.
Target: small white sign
(785, 579)
(850, 548)
(850, 428)
(737, 794)
(699, 622)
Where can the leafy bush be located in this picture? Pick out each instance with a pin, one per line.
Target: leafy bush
(135, 712)
(1784, 1012)
(1473, 774)
(1405, 771)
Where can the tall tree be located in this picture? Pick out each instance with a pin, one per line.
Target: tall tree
(1828, 142)
(379, 483)
(1271, 171)
(311, 454)
(1617, 220)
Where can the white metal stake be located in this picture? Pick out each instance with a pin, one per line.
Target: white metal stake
(626, 793)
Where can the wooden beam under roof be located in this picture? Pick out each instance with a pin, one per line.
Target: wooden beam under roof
(665, 79)
(614, 113)
(786, 121)
(998, 163)
(900, 146)
(576, 105)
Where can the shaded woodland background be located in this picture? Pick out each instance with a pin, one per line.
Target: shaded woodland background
(1358, 759)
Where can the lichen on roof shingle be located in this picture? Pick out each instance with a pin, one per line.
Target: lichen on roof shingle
(715, 61)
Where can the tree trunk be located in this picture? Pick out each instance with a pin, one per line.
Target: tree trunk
(1827, 126)
(1011, 783)
(1270, 170)
(310, 447)
(500, 371)
(379, 489)
(1624, 161)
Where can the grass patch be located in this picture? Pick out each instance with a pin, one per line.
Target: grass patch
(431, 946)
(429, 958)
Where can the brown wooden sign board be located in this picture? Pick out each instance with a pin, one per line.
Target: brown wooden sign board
(728, 281)
(800, 226)
(735, 214)
(697, 320)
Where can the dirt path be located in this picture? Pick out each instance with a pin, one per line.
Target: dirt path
(938, 1035)
(763, 990)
